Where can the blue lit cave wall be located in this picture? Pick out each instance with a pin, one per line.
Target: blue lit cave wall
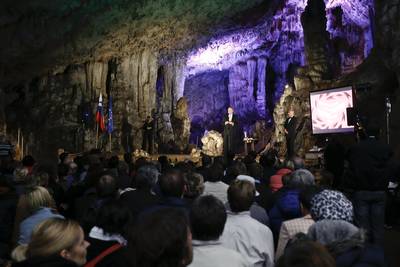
(249, 68)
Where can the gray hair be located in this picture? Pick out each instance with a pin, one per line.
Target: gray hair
(336, 235)
(300, 177)
(147, 176)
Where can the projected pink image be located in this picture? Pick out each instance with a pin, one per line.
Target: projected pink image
(328, 110)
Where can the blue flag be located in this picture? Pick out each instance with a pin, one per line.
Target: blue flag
(110, 124)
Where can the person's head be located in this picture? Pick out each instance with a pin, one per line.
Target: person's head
(268, 160)
(172, 183)
(215, 173)
(206, 160)
(28, 161)
(236, 169)
(300, 178)
(113, 162)
(306, 195)
(128, 158)
(241, 195)
(195, 184)
(255, 170)
(207, 217)
(37, 197)
(41, 178)
(113, 217)
(331, 205)
(65, 158)
(298, 163)
(58, 236)
(306, 253)
(147, 176)
(230, 110)
(291, 113)
(161, 238)
(336, 235)
(148, 118)
(106, 187)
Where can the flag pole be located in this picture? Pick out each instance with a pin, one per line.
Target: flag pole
(22, 146)
(97, 134)
(109, 139)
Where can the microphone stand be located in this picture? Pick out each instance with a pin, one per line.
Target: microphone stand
(388, 111)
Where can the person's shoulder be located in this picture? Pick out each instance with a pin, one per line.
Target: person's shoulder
(289, 224)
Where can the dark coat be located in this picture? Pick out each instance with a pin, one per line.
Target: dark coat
(230, 135)
(53, 261)
(286, 207)
(368, 256)
(117, 258)
(291, 127)
(369, 165)
(139, 200)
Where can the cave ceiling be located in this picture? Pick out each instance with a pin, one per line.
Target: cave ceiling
(42, 35)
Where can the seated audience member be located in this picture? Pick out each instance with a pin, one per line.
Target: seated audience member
(300, 225)
(208, 217)
(8, 206)
(346, 243)
(214, 186)
(256, 211)
(332, 205)
(298, 163)
(237, 168)
(28, 162)
(206, 162)
(265, 197)
(253, 240)
(275, 181)
(161, 238)
(55, 242)
(306, 254)
(123, 180)
(108, 237)
(165, 164)
(87, 205)
(268, 162)
(40, 206)
(142, 197)
(287, 203)
(172, 187)
(194, 186)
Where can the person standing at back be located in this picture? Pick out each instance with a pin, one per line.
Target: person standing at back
(370, 172)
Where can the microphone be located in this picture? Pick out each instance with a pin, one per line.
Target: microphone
(388, 105)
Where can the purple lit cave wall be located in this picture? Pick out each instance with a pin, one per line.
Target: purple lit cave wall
(248, 68)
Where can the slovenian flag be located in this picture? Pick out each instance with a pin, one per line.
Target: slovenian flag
(99, 114)
(110, 124)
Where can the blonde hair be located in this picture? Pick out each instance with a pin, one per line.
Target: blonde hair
(19, 253)
(52, 236)
(38, 197)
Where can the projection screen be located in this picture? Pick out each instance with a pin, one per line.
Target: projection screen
(328, 110)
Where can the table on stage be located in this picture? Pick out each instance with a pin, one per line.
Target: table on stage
(249, 141)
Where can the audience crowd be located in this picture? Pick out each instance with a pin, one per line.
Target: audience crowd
(96, 209)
